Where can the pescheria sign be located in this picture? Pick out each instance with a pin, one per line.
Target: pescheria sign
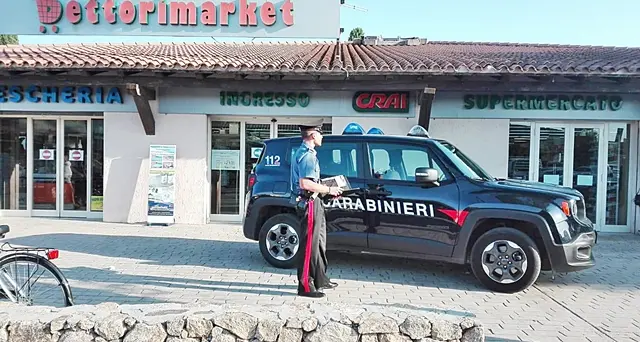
(381, 102)
(250, 18)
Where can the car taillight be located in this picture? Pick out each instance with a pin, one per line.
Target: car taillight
(53, 254)
(251, 181)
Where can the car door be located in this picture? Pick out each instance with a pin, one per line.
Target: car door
(405, 216)
(345, 225)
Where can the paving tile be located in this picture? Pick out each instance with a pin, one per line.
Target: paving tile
(215, 264)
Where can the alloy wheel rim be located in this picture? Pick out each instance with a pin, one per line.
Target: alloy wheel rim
(282, 242)
(504, 262)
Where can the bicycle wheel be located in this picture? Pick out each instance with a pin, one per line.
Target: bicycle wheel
(30, 279)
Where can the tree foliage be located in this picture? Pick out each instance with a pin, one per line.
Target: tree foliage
(8, 39)
(356, 33)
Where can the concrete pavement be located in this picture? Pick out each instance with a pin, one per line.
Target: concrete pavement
(216, 264)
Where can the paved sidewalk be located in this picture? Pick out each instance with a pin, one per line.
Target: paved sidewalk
(216, 264)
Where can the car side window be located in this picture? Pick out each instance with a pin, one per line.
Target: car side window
(339, 158)
(399, 162)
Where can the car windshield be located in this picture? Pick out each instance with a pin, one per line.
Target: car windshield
(467, 166)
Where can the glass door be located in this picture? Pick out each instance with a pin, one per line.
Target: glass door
(573, 155)
(73, 164)
(45, 180)
(64, 180)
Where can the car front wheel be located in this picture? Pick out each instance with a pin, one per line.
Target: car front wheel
(279, 240)
(505, 260)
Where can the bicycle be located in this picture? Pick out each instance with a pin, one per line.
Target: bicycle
(35, 259)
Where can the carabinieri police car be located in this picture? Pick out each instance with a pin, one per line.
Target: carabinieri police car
(423, 198)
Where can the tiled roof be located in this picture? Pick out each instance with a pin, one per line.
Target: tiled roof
(429, 58)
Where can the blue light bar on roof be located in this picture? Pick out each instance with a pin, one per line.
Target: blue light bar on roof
(353, 128)
(418, 131)
(375, 130)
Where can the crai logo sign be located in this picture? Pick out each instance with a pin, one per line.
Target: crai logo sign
(163, 12)
(381, 102)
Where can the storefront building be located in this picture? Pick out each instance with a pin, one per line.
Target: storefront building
(217, 111)
(587, 141)
(52, 148)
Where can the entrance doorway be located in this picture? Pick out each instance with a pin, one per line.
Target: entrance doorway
(65, 173)
(593, 158)
(236, 145)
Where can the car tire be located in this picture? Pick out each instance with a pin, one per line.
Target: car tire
(505, 238)
(286, 221)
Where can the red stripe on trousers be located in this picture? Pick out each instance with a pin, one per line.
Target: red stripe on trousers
(307, 250)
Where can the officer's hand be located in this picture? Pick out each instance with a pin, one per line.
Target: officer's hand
(335, 191)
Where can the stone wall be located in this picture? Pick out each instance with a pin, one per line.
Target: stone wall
(292, 323)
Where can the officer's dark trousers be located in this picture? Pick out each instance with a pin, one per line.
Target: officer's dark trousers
(312, 265)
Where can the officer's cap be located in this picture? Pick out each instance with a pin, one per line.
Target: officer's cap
(312, 125)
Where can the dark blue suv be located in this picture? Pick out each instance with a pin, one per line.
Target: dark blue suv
(422, 198)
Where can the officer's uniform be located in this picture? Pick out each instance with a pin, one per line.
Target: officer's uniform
(313, 261)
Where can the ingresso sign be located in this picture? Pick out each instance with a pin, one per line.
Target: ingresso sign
(239, 18)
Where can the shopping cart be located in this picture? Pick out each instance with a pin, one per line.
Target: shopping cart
(49, 13)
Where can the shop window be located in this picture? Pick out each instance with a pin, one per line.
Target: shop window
(399, 162)
(618, 140)
(13, 163)
(45, 164)
(519, 147)
(97, 163)
(225, 167)
(285, 130)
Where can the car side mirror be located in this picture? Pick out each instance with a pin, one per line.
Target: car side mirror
(425, 175)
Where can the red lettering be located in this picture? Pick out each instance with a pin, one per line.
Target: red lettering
(92, 11)
(361, 100)
(208, 15)
(287, 15)
(384, 101)
(183, 13)
(268, 13)
(377, 100)
(226, 8)
(127, 12)
(146, 7)
(108, 8)
(73, 12)
(162, 13)
(248, 13)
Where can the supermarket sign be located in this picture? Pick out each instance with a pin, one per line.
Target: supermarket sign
(238, 18)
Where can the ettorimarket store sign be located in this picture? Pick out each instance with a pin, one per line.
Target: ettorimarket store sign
(543, 102)
(240, 18)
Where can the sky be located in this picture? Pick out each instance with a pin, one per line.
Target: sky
(587, 22)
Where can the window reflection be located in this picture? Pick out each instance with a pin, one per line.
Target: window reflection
(13, 163)
(551, 155)
(225, 167)
(97, 162)
(618, 139)
(519, 148)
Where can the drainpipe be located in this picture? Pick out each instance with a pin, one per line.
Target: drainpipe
(426, 101)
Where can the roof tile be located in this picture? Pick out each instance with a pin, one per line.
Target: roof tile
(429, 58)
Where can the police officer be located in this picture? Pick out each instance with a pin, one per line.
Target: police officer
(305, 177)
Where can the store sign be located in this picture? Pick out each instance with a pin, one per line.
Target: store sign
(381, 102)
(264, 99)
(239, 18)
(38, 94)
(543, 102)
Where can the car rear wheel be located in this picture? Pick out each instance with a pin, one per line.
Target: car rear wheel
(279, 240)
(505, 260)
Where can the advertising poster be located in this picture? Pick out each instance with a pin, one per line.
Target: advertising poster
(161, 196)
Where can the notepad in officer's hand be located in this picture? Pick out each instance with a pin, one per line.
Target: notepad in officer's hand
(337, 181)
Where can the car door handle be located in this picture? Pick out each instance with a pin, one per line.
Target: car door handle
(379, 192)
